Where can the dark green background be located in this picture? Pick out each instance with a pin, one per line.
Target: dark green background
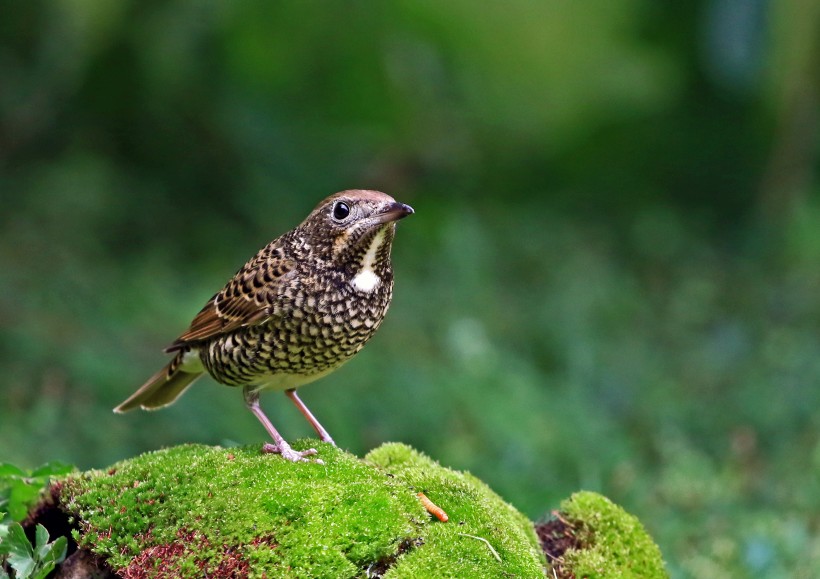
(612, 280)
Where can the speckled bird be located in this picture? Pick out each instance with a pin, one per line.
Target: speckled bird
(299, 309)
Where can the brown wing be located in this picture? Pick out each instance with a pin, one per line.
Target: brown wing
(244, 301)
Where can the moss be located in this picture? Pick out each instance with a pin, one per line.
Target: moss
(456, 548)
(613, 543)
(196, 510)
(304, 519)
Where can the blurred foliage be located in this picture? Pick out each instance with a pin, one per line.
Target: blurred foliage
(610, 282)
(21, 489)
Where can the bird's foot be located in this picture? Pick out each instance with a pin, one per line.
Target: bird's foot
(292, 455)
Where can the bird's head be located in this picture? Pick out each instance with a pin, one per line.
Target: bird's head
(354, 228)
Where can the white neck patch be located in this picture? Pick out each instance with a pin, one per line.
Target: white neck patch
(367, 280)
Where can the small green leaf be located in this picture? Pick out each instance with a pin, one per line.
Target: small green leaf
(54, 553)
(40, 540)
(19, 489)
(21, 496)
(59, 548)
(20, 553)
(5, 522)
(15, 541)
(8, 469)
(28, 562)
(53, 468)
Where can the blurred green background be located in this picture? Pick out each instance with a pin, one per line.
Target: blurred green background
(612, 280)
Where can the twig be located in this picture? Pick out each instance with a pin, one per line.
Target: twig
(490, 547)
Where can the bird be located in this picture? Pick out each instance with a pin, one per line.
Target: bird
(300, 308)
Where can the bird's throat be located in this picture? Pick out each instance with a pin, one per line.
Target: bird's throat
(366, 279)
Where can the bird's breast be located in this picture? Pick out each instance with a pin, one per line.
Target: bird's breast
(319, 325)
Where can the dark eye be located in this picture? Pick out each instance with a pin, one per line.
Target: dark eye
(341, 210)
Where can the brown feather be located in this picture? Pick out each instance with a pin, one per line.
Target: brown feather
(244, 301)
(161, 389)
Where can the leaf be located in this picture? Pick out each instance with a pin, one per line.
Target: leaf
(59, 548)
(28, 562)
(53, 468)
(40, 541)
(20, 553)
(22, 495)
(14, 540)
(8, 469)
(5, 521)
(55, 553)
(19, 489)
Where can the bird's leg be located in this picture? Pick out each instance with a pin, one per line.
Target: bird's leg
(281, 446)
(323, 435)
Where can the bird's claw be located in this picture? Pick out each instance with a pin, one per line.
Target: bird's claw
(292, 455)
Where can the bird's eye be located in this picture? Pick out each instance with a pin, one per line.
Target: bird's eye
(341, 210)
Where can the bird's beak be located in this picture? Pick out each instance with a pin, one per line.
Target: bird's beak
(393, 212)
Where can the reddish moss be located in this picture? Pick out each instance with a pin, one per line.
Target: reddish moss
(167, 560)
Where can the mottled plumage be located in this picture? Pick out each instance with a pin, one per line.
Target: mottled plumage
(300, 308)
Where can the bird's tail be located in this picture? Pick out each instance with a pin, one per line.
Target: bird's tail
(163, 388)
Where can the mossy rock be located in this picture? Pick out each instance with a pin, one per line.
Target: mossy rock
(593, 537)
(195, 510)
(192, 511)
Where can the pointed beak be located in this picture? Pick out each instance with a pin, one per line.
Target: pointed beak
(393, 212)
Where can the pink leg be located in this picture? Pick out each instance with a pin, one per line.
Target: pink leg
(323, 435)
(281, 446)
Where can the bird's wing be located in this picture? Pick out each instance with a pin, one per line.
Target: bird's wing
(247, 299)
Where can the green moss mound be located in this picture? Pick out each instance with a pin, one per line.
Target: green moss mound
(193, 510)
(484, 536)
(597, 539)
